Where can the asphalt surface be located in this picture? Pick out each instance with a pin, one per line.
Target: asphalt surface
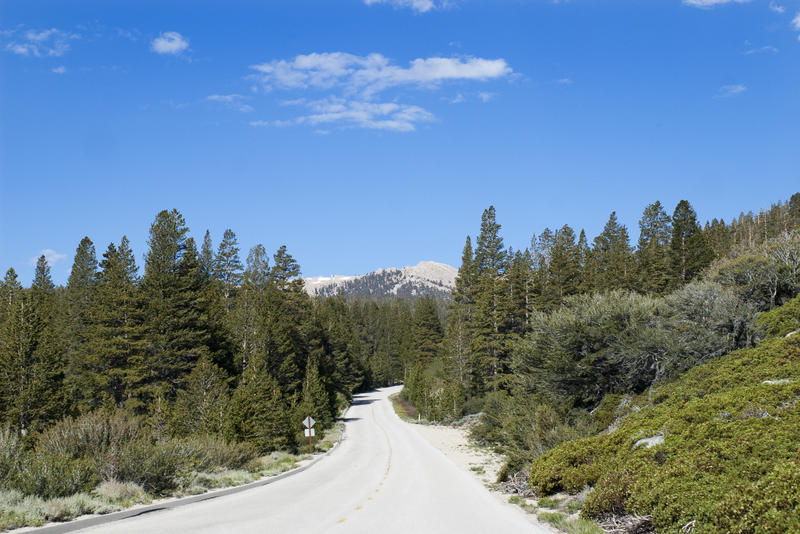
(383, 478)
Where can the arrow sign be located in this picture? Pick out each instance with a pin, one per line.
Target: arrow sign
(308, 422)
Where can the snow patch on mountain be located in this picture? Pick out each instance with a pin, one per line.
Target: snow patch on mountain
(424, 278)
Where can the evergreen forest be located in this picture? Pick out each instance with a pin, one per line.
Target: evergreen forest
(203, 356)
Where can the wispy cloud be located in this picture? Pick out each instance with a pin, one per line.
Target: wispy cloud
(727, 91)
(61, 69)
(420, 6)
(50, 255)
(169, 43)
(712, 3)
(50, 42)
(776, 7)
(232, 101)
(345, 87)
(374, 73)
(485, 96)
(768, 49)
(356, 114)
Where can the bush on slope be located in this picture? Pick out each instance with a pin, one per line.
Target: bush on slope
(730, 457)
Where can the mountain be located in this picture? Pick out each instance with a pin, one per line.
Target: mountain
(424, 278)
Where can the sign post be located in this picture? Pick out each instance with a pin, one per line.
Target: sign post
(308, 422)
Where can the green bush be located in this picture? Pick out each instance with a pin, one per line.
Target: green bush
(158, 467)
(770, 505)
(782, 320)
(11, 455)
(211, 452)
(125, 493)
(49, 476)
(729, 456)
(99, 436)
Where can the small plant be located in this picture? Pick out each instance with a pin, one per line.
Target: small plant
(122, 493)
(557, 519)
(574, 507)
(548, 502)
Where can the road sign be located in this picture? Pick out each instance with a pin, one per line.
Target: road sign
(310, 432)
(308, 422)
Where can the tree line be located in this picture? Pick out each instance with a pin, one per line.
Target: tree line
(538, 338)
(200, 343)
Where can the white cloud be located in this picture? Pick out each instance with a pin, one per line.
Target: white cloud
(346, 87)
(61, 69)
(50, 255)
(51, 42)
(420, 6)
(232, 101)
(485, 97)
(762, 50)
(712, 3)
(796, 21)
(373, 73)
(777, 8)
(727, 91)
(458, 99)
(357, 114)
(169, 43)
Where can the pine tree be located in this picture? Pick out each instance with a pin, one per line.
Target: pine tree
(563, 273)
(689, 250)
(203, 406)
(247, 313)
(176, 318)
(611, 260)
(116, 330)
(285, 271)
(456, 344)
(31, 381)
(258, 411)
(207, 256)
(228, 267)
(427, 332)
(76, 331)
(489, 340)
(9, 291)
(652, 252)
(316, 399)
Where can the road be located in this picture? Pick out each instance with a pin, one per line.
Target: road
(383, 478)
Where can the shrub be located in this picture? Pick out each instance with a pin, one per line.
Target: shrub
(210, 452)
(781, 321)
(50, 475)
(770, 505)
(18, 510)
(156, 467)
(729, 458)
(66, 508)
(125, 493)
(99, 436)
(11, 455)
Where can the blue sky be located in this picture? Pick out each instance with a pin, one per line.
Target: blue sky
(369, 133)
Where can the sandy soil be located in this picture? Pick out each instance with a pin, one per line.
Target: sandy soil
(455, 444)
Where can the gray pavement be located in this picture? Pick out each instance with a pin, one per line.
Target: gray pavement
(383, 478)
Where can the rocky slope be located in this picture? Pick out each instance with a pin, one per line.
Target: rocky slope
(425, 278)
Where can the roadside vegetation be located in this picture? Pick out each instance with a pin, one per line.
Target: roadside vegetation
(575, 352)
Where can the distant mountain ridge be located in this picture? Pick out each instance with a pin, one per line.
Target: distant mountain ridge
(425, 278)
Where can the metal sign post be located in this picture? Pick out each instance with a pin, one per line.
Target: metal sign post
(308, 422)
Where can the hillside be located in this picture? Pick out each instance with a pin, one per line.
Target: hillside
(425, 278)
(717, 449)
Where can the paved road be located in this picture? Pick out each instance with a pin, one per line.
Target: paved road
(384, 478)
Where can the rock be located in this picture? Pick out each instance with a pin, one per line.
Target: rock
(779, 381)
(650, 442)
